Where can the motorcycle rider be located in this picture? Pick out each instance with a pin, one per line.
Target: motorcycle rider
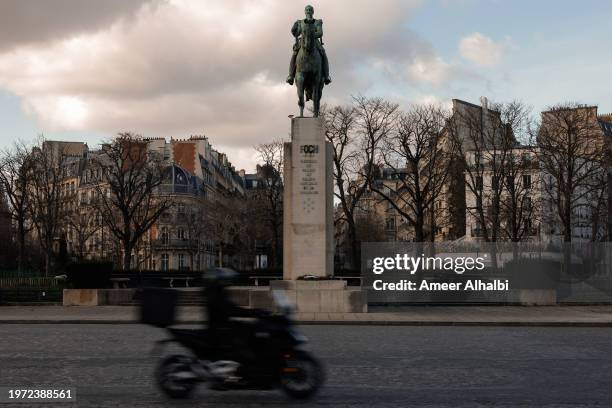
(229, 338)
(219, 307)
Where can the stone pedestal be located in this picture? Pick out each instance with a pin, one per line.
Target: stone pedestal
(308, 225)
(308, 246)
(328, 296)
(97, 297)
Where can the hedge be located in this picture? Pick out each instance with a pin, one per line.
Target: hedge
(89, 274)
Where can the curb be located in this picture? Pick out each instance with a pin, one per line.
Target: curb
(343, 323)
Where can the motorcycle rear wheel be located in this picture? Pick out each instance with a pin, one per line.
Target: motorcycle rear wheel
(168, 378)
(302, 376)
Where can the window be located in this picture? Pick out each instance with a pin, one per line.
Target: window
(527, 181)
(165, 238)
(479, 183)
(181, 261)
(165, 262)
(180, 208)
(477, 230)
(181, 234)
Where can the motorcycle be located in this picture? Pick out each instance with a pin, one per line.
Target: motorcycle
(269, 357)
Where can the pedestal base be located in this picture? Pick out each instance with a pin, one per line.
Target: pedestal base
(328, 296)
(308, 201)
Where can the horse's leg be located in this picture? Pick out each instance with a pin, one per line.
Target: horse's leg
(316, 95)
(299, 81)
(320, 94)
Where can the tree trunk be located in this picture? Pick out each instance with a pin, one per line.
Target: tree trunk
(127, 257)
(419, 226)
(20, 248)
(432, 224)
(354, 245)
(47, 263)
(276, 249)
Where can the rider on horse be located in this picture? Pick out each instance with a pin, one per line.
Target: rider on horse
(297, 29)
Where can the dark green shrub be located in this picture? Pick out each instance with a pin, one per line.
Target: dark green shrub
(155, 278)
(89, 274)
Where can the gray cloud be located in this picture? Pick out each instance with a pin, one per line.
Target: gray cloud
(26, 22)
(182, 67)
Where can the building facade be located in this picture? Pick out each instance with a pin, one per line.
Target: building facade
(526, 209)
(196, 176)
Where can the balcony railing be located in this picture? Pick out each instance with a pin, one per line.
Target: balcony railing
(177, 189)
(174, 243)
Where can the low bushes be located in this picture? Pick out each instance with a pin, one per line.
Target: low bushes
(153, 278)
(30, 295)
(89, 275)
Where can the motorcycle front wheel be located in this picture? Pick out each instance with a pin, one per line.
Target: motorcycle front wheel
(302, 375)
(175, 377)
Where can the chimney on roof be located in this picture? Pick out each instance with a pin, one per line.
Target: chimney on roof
(484, 102)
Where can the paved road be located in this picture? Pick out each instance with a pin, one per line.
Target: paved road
(368, 366)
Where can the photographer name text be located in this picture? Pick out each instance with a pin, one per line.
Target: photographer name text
(425, 285)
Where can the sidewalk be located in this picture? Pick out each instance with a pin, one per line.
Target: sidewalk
(576, 316)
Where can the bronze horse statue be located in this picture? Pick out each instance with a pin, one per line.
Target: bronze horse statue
(309, 77)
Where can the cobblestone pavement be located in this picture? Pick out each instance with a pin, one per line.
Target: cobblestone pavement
(367, 366)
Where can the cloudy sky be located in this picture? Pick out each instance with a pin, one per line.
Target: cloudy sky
(85, 70)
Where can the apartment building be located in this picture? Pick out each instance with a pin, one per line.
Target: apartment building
(511, 200)
(529, 191)
(488, 159)
(195, 176)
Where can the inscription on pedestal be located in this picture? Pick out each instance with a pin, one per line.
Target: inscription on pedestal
(308, 178)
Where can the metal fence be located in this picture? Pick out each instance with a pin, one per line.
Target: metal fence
(21, 274)
(36, 282)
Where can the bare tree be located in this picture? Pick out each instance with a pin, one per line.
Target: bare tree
(370, 227)
(571, 152)
(518, 202)
(127, 191)
(47, 174)
(482, 142)
(84, 223)
(269, 193)
(600, 208)
(419, 165)
(518, 205)
(16, 183)
(355, 133)
(224, 221)
(197, 225)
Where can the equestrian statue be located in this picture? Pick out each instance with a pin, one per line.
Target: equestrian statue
(309, 68)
